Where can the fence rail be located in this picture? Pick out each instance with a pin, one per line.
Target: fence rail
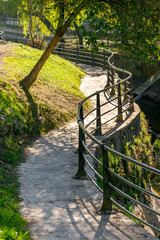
(118, 94)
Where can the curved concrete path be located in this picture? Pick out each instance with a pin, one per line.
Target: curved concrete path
(58, 206)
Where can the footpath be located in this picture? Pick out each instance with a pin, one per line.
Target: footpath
(56, 205)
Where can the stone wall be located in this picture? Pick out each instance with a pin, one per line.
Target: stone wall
(129, 128)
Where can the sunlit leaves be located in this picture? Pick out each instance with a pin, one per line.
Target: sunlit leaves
(133, 26)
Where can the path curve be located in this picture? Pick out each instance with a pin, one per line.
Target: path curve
(58, 206)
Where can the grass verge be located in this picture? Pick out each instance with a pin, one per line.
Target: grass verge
(51, 102)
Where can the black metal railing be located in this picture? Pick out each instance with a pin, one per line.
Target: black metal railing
(113, 103)
(87, 157)
(119, 88)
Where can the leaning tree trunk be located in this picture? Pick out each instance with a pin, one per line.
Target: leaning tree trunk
(78, 34)
(28, 81)
(47, 23)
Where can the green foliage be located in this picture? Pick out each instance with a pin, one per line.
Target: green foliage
(9, 8)
(129, 207)
(12, 223)
(156, 144)
(62, 74)
(128, 24)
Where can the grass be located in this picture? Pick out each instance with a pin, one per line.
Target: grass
(51, 101)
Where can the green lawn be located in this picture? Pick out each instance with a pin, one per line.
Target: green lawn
(51, 101)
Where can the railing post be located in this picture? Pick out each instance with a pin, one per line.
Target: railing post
(81, 173)
(131, 94)
(63, 51)
(104, 59)
(108, 74)
(120, 116)
(125, 87)
(112, 76)
(92, 59)
(98, 116)
(77, 56)
(107, 204)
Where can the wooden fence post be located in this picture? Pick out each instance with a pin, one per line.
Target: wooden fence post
(92, 59)
(63, 51)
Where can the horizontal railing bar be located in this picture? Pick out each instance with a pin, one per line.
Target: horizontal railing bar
(154, 170)
(89, 113)
(95, 58)
(89, 152)
(68, 58)
(58, 53)
(96, 185)
(133, 185)
(91, 122)
(102, 115)
(100, 91)
(124, 93)
(103, 124)
(93, 131)
(70, 54)
(125, 210)
(92, 168)
(112, 99)
(126, 101)
(84, 54)
(126, 106)
(69, 50)
(126, 109)
(79, 55)
(108, 111)
(99, 64)
(83, 60)
(132, 199)
(90, 136)
(110, 119)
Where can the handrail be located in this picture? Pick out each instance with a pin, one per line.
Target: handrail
(82, 172)
(119, 92)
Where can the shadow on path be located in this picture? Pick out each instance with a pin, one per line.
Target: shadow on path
(33, 110)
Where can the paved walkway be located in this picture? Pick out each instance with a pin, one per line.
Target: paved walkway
(58, 206)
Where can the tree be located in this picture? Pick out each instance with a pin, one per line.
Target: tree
(9, 8)
(138, 20)
(62, 26)
(133, 27)
(41, 21)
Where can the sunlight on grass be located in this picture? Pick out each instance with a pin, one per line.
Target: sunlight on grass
(61, 73)
(51, 101)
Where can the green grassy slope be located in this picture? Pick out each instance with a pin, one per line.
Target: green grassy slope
(51, 101)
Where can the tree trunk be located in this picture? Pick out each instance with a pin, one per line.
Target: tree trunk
(47, 23)
(78, 34)
(28, 81)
